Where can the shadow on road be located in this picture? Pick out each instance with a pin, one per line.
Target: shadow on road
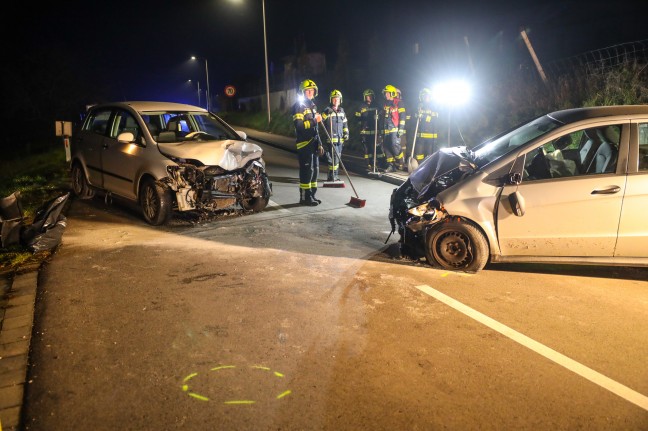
(391, 254)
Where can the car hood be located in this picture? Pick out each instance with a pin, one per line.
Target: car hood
(228, 154)
(441, 170)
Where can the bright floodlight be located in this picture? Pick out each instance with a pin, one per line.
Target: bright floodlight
(455, 93)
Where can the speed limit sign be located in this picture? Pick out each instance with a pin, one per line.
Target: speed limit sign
(230, 91)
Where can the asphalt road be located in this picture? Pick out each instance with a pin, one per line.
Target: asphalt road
(300, 318)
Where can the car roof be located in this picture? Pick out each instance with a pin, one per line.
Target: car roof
(144, 106)
(576, 114)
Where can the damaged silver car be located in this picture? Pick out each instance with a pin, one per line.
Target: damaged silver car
(166, 157)
(567, 187)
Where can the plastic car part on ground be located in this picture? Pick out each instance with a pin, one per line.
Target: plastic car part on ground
(43, 234)
(11, 220)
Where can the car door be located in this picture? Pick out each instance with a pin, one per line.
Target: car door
(633, 232)
(122, 161)
(570, 208)
(90, 144)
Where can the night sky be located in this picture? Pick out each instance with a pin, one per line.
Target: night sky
(140, 49)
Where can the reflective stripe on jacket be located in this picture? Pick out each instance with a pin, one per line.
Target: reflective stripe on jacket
(304, 121)
(336, 124)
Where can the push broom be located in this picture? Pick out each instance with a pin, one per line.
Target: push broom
(355, 202)
(373, 171)
(412, 163)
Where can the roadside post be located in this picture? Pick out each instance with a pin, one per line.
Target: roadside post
(64, 130)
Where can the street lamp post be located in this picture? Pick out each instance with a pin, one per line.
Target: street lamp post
(198, 84)
(265, 50)
(207, 78)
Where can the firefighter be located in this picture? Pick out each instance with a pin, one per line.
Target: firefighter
(426, 137)
(392, 127)
(309, 146)
(403, 121)
(367, 116)
(335, 121)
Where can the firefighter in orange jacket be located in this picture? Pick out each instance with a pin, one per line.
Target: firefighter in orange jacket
(335, 120)
(309, 147)
(392, 126)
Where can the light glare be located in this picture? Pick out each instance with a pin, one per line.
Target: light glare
(455, 92)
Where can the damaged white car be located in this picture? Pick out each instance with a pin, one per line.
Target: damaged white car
(567, 187)
(165, 157)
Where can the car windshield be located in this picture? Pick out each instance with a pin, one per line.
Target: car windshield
(507, 142)
(179, 126)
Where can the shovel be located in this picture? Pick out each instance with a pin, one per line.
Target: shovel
(412, 163)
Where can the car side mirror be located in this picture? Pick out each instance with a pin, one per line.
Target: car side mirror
(242, 134)
(126, 138)
(516, 200)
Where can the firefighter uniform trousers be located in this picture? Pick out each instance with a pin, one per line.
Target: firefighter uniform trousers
(426, 138)
(337, 125)
(367, 124)
(307, 147)
(390, 122)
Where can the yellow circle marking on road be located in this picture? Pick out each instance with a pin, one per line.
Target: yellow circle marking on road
(185, 386)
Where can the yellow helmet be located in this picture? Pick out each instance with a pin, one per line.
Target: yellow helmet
(335, 93)
(423, 93)
(305, 85)
(393, 91)
(368, 92)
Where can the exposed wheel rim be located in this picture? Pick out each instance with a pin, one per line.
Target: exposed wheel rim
(453, 249)
(151, 202)
(77, 181)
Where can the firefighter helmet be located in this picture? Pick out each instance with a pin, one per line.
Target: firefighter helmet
(393, 91)
(424, 93)
(368, 92)
(335, 93)
(307, 84)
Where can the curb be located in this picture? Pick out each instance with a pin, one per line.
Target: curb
(17, 303)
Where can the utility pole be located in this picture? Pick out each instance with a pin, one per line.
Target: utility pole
(533, 55)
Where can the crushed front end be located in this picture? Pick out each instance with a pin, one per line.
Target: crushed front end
(414, 206)
(213, 188)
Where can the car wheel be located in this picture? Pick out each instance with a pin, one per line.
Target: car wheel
(456, 245)
(80, 185)
(156, 201)
(258, 203)
(255, 204)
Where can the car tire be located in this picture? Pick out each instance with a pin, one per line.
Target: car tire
(80, 185)
(255, 204)
(456, 245)
(258, 203)
(156, 201)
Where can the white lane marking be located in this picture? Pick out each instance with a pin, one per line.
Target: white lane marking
(560, 359)
(281, 209)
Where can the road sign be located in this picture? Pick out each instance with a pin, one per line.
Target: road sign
(230, 91)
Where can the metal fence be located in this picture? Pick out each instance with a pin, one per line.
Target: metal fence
(601, 61)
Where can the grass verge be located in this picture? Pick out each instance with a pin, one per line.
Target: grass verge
(38, 178)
